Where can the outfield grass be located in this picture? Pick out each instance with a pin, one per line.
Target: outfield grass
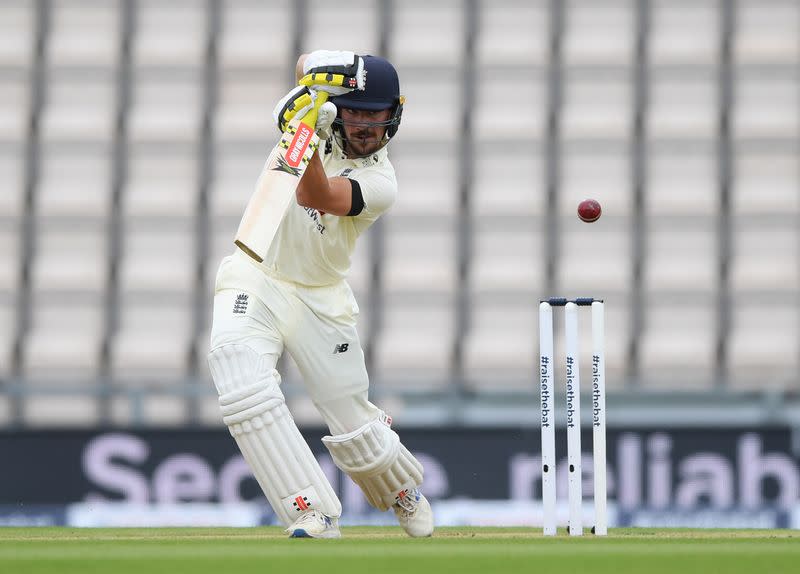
(388, 550)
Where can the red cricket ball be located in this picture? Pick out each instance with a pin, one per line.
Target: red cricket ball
(589, 210)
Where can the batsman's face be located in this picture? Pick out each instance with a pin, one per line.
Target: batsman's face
(362, 135)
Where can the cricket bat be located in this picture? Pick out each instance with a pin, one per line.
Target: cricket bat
(277, 183)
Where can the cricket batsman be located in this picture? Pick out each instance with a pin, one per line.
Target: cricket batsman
(296, 299)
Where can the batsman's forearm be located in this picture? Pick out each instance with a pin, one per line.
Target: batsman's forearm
(330, 195)
(313, 184)
(298, 69)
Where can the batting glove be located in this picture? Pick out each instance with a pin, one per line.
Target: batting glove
(325, 116)
(297, 103)
(335, 72)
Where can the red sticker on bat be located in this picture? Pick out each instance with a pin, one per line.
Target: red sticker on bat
(299, 144)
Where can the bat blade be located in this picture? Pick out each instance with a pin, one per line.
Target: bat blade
(275, 189)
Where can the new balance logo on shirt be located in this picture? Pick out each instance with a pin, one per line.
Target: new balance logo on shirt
(341, 348)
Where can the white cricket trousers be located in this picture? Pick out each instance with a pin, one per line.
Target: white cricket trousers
(316, 325)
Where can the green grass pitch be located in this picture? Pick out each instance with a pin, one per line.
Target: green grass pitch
(388, 550)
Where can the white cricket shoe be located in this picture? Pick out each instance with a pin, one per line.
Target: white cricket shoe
(414, 513)
(314, 524)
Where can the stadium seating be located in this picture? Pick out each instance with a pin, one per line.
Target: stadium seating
(766, 183)
(599, 33)
(132, 133)
(494, 85)
(65, 342)
(414, 351)
(600, 173)
(9, 258)
(75, 182)
(430, 192)
(508, 181)
(512, 33)
(764, 332)
(677, 345)
(427, 35)
(682, 180)
(764, 259)
(762, 349)
(12, 170)
(500, 347)
(595, 263)
(84, 33)
(766, 32)
(170, 34)
(419, 281)
(597, 106)
(18, 27)
(505, 261)
(684, 33)
(14, 104)
(9, 275)
(683, 106)
(161, 183)
(241, 43)
(329, 24)
(43, 410)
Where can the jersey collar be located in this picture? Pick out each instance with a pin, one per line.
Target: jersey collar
(371, 159)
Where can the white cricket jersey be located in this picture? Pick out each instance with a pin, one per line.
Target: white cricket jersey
(311, 248)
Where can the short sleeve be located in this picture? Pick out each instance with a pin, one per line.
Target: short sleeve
(379, 191)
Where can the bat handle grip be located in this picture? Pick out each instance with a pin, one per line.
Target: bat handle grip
(310, 119)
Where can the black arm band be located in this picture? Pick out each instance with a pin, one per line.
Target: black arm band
(358, 200)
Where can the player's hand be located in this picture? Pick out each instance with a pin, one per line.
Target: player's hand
(325, 116)
(297, 103)
(333, 71)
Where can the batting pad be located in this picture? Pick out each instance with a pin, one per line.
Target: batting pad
(376, 461)
(256, 414)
